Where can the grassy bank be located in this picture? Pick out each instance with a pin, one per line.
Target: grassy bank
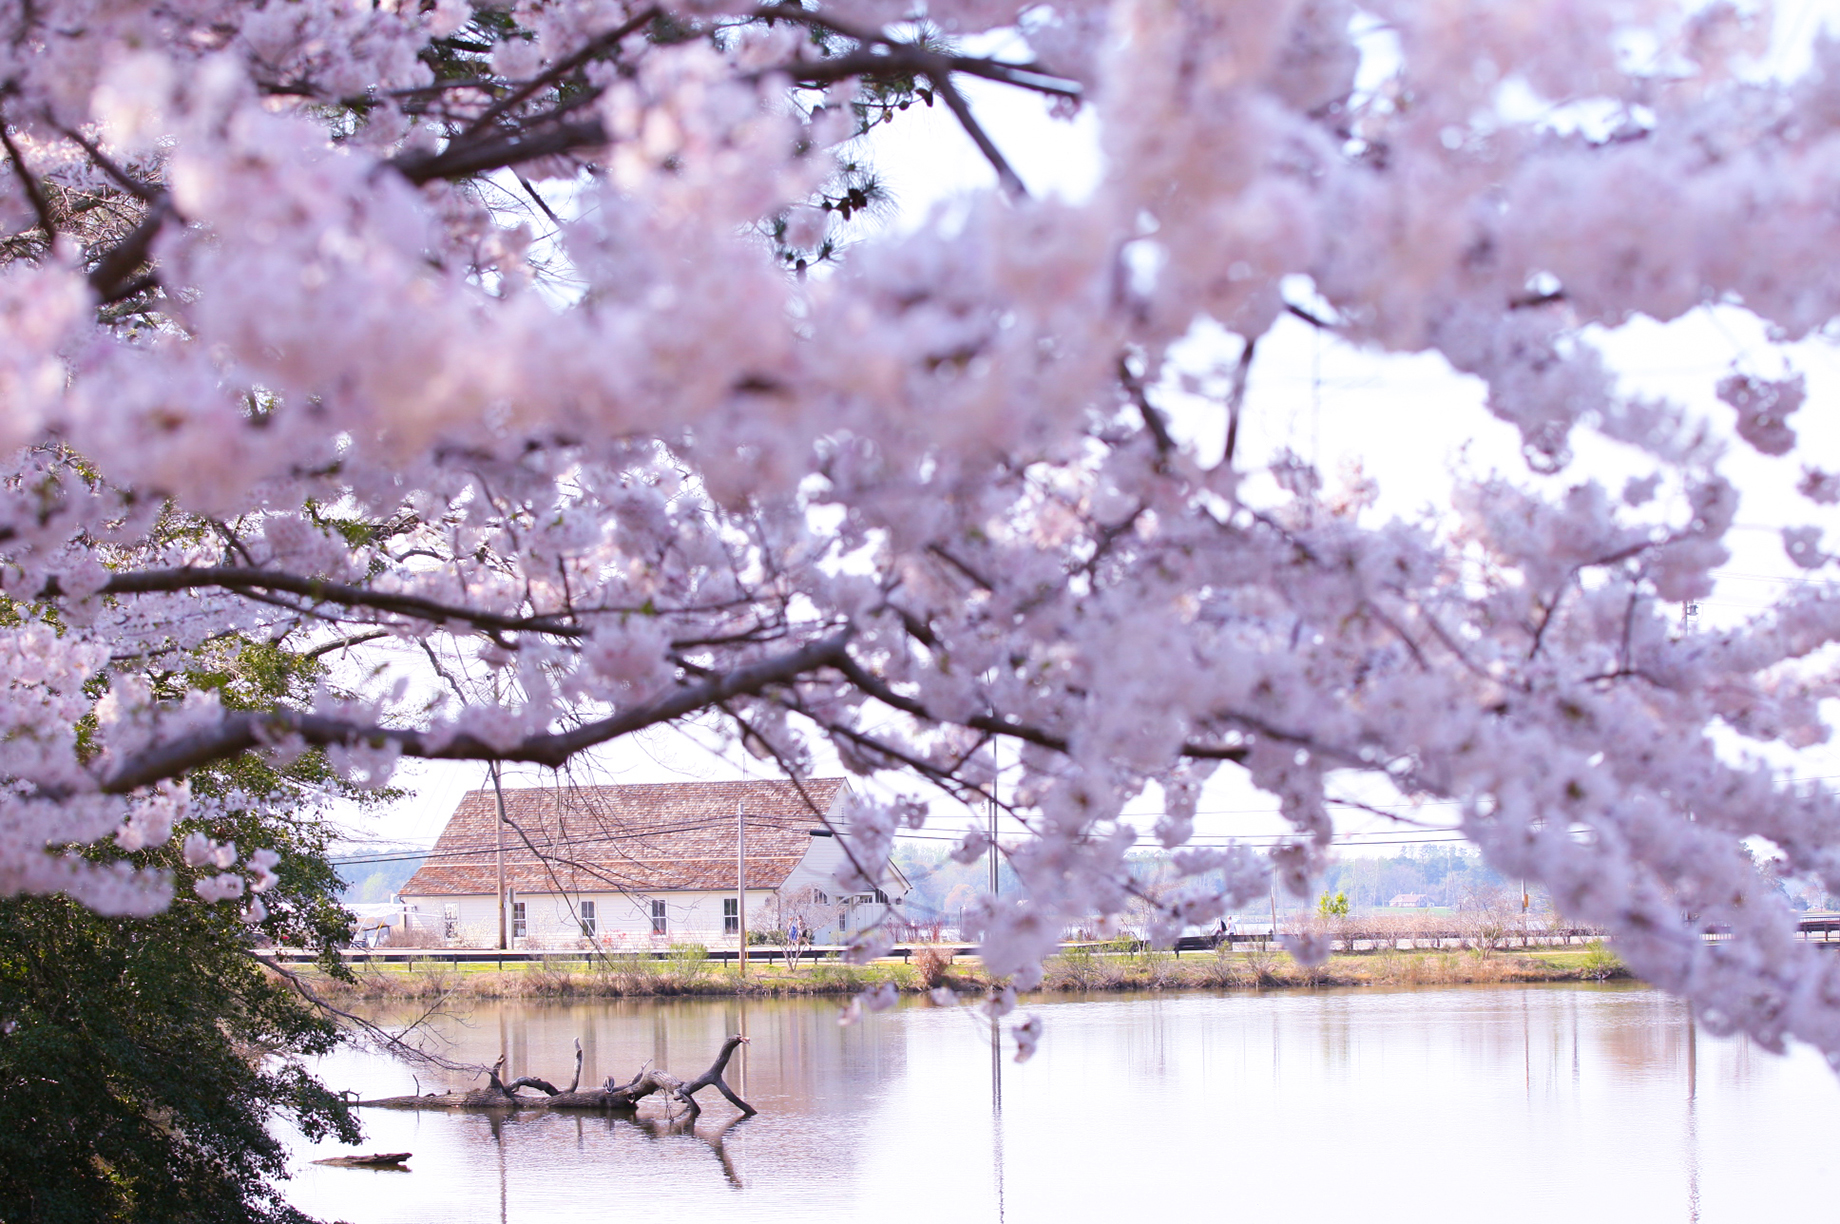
(1079, 970)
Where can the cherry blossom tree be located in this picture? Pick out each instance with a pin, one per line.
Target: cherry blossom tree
(545, 337)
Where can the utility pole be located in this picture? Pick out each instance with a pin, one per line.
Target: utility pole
(498, 792)
(993, 840)
(741, 882)
(1271, 893)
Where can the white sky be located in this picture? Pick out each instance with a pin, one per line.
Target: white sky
(1325, 400)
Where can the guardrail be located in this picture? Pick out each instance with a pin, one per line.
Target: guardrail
(544, 956)
(1825, 926)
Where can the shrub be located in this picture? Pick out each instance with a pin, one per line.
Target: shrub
(1600, 963)
(688, 962)
(934, 966)
(1077, 968)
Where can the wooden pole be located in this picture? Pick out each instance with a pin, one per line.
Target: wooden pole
(741, 883)
(498, 792)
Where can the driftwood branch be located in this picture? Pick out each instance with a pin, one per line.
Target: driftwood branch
(376, 1160)
(713, 1078)
(611, 1097)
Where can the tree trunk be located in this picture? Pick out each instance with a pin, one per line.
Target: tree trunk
(609, 1097)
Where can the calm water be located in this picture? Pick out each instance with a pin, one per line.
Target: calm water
(1497, 1103)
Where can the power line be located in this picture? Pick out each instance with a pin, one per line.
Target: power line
(1377, 837)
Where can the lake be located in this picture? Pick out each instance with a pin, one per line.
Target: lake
(1501, 1103)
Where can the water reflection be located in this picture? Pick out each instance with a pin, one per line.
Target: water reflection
(1522, 1102)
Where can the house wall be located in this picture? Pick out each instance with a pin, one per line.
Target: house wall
(624, 919)
(818, 869)
(621, 919)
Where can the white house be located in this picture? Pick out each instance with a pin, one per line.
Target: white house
(640, 866)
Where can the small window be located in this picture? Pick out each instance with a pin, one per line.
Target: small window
(450, 922)
(658, 918)
(731, 916)
(820, 896)
(881, 898)
(518, 925)
(587, 918)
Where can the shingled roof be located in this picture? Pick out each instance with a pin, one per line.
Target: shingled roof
(652, 838)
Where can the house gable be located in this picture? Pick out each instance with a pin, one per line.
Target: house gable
(665, 837)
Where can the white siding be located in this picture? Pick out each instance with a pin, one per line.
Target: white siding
(621, 920)
(624, 920)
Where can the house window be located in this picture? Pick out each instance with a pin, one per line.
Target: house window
(450, 922)
(587, 918)
(819, 896)
(658, 919)
(881, 898)
(518, 925)
(731, 916)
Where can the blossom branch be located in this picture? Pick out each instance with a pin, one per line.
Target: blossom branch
(247, 731)
(34, 190)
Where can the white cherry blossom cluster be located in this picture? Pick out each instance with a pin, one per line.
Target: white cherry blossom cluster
(450, 333)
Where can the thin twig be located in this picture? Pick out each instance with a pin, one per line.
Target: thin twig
(1236, 397)
(955, 101)
(1153, 417)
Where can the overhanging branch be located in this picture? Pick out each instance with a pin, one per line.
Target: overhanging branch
(246, 731)
(242, 580)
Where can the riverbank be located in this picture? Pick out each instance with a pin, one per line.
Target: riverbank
(1077, 971)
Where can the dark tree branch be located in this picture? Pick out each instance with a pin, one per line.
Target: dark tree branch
(955, 102)
(246, 731)
(1532, 301)
(1153, 417)
(1296, 311)
(592, 48)
(244, 580)
(898, 59)
(993, 724)
(464, 160)
(113, 277)
(145, 192)
(1236, 397)
(356, 639)
(34, 192)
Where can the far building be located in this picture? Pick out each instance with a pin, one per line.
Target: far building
(641, 867)
(1410, 901)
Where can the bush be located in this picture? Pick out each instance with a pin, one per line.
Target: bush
(934, 966)
(1600, 963)
(688, 962)
(1077, 968)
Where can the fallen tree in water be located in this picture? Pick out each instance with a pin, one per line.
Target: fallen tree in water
(610, 1097)
(377, 1160)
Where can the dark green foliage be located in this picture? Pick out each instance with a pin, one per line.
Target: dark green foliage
(141, 1060)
